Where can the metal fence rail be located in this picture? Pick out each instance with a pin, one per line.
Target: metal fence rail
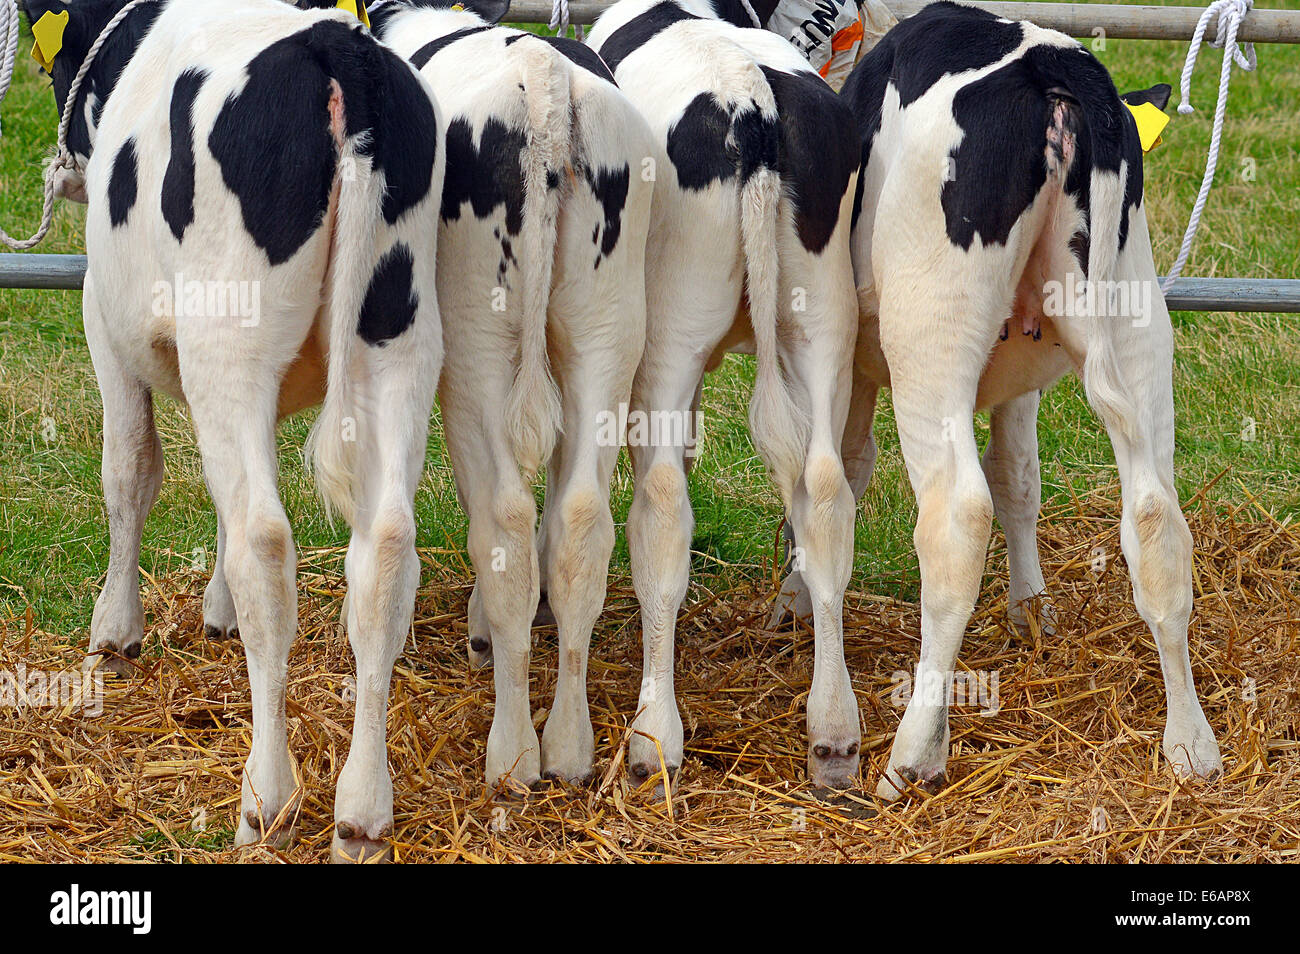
(1121, 22)
(1187, 294)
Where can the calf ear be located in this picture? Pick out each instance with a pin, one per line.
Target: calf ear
(35, 9)
(490, 10)
(1157, 95)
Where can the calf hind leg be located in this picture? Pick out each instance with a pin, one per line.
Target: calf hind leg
(858, 451)
(821, 506)
(659, 526)
(581, 539)
(383, 572)
(239, 458)
(955, 511)
(1153, 533)
(501, 514)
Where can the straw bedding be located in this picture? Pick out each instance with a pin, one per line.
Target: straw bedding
(1068, 768)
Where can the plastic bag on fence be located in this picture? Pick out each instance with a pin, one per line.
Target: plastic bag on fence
(832, 34)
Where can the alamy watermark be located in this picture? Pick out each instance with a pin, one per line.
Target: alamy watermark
(192, 298)
(1074, 298)
(967, 687)
(667, 428)
(74, 907)
(22, 688)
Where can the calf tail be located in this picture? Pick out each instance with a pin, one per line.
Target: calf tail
(1102, 379)
(1109, 170)
(779, 427)
(533, 412)
(332, 444)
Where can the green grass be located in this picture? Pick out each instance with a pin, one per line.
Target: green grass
(157, 845)
(53, 541)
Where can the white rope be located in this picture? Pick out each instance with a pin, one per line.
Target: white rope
(9, 33)
(560, 16)
(560, 19)
(1230, 13)
(752, 15)
(62, 159)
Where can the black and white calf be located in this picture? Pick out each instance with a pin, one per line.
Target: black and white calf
(1001, 242)
(263, 185)
(541, 282)
(756, 161)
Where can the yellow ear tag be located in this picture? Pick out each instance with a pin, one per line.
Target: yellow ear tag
(458, 6)
(357, 8)
(1151, 121)
(48, 31)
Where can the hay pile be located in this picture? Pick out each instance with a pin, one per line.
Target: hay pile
(1068, 769)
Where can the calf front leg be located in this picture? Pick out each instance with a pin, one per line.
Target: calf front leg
(1011, 467)
(219, 619)
(132, 474)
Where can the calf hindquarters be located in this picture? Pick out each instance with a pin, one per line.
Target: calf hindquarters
(936, 268)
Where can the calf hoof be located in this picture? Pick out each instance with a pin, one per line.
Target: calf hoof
(833, 764)
(108, 659)
(353, 845)
(513, 789)
(1195, 757)
(1041, 608)
(218, 635)
(574, 779)
(897, 782)
(255, 829)
(640, 773)
(793, 601)
(480, 652)
(570, 764)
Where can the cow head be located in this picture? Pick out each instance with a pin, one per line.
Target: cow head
(85, 20)
(82, 23)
